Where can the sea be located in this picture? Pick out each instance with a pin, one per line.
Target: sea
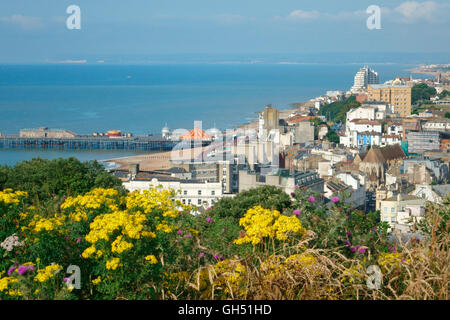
(142, 99)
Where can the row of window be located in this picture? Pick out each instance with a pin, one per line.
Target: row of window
(199, 192)
(199, 201)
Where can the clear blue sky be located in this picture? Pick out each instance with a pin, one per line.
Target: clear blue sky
(35, 30)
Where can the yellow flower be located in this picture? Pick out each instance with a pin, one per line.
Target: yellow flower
(260, 223)
(151, 259)
(97, 280)
(113, 264)
(47, 273)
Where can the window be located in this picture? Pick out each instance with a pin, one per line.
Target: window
(189, 201)
(385, 209)
(185, 192)
(199, 192)
(184, 201)
(392, 210)
(213, 193)
(199, 202)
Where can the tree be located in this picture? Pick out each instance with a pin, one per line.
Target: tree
(421, 92)
(447, 115)
(332, 136)
(44, 179)
(268, 197)
(444, 94)
(337, 111)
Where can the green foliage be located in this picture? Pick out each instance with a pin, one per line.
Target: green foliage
(444, 94)
(342, 226)
(421, 92)
(337, 111)
(447, 115)
(332, 136)
(268, 197)
(43, 179)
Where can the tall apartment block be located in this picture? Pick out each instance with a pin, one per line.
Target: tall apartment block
(397, 95)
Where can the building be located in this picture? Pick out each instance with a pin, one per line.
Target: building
(422, 141)
(322, 131)
(284, 179)
(189, 192)
(397, 95)
(433, 193)
(362, 133)
(44, 132)
(377, 161)
(303, 132)
(363, 78)
(269, 119)
(442, 124)
(347, 185)
(392, 209)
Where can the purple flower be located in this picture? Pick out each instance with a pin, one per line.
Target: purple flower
(335, 199)
(30, 267)
(11, 270)
(292, 194)
(347, 243)
(362, 250)
(79, 240)
(201, 255)
(296, 212)
(348, 233)
(208, 219)
(66, 279)
(312, 199)
(188, 236)
(391, 248)
(221, 258)
(353, 249)
(66, 237)
(22, 270)
(180, 232)
(216, 257)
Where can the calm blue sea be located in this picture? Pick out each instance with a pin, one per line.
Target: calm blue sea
(141, 99)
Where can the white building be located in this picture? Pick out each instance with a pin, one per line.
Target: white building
(190, 192)
(363, 78)
(370, 111)
(432, 193)
(392, 209)
(437, 125)
(361, 133)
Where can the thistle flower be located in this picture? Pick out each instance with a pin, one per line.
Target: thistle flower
(312, 199)
(180, 232)
(296, 212)
(335, 199)
(22, 270)
(208, 219)
(11, 270)
(201, 255)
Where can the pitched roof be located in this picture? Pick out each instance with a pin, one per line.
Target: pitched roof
(196, 134)
(382, 155)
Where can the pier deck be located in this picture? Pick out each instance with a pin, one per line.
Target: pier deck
(88, 143)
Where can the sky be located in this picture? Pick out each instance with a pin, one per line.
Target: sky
(34, 31)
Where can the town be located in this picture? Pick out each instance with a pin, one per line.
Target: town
(378, 146)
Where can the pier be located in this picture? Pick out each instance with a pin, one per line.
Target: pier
(88, 143)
